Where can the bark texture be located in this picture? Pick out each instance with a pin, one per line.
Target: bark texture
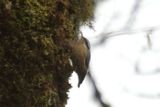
(34, 66)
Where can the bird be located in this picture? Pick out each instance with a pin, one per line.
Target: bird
(80, 56)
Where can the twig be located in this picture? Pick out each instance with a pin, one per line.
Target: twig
(97, 92)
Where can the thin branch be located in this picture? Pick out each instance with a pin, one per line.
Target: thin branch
(144, 95)
(97, 92)
(149, 41)
(102, 37)
(133, 14)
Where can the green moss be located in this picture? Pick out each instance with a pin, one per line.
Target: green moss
(34, 66)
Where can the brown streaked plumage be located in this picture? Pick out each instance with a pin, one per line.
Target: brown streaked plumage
(80, 55)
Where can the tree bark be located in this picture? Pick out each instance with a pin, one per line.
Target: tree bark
(34, 65)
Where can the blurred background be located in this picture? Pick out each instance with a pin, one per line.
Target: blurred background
(125, 61)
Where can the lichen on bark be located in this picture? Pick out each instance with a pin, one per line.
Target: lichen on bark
(34, 66)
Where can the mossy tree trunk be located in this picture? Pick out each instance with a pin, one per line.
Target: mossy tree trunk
(34, 66)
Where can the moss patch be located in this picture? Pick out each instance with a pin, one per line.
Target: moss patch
(34, 66)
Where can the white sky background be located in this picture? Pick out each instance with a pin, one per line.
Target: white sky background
(113, 63)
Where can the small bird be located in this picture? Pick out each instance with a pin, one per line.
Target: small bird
(80, 56)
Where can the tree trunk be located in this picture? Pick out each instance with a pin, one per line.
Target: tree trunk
(34, 65)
